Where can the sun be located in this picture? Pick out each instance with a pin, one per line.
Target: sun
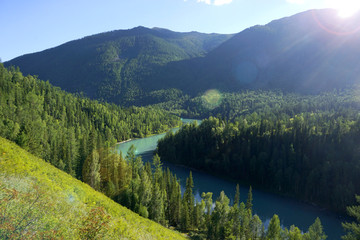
(345, 8)
(347, 11)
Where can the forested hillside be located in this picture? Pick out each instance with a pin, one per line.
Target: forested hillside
(306, 147)
(116, 66)
(309, 52)
(38, 201)
(155, 193)
(64, 129)
(74, 134)
(263, 102)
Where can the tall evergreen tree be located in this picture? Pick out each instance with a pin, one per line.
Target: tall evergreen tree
(315, 231)
(235, 214)
(208, 202)
(91, 170)
(158, 172)
(274, 229)
(353, 229)
(157, 205)
(219, 217)
(145, 192)
(185, 216)
(175, 203)
(293, 233)
(249, 200)
(237, 196)
(189, 199)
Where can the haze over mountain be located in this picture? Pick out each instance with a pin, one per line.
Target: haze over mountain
(309, 52)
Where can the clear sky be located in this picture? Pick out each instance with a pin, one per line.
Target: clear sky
(33, 25)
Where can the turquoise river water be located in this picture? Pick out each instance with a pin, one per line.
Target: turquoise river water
(265, 205)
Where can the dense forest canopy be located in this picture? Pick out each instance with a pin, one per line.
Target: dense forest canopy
(271, 103)
(305, 146)
(64, 129)
(294, 144)
(74, 133)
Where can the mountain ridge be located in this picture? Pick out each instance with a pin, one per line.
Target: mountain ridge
(115, 64)
(308, 52)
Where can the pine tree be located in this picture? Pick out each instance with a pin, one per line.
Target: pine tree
(189, 199)
(157, 169)
(219, 217)
(249, 200)
(124, 173)
(274, 229)
(185, 217)
(237, 196)
(315, 231)
(91, 170)
(293, 233)
(234, 215)
(145, 193)
(134, 161)
(353, 229)
(157, 206)
(83, 154)
(175, 203)
(256, 227)
(245, 216)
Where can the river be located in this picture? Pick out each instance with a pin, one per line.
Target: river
(265, 205)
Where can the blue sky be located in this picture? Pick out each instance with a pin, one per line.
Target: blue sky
(34, 25)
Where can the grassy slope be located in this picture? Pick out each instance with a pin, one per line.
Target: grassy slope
(67, 201)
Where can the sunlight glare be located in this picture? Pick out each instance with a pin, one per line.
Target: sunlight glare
(211, 99)
(345, 8)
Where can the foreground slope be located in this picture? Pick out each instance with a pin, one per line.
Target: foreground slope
(36, 199)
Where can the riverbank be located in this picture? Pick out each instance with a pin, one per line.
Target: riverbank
(184, 122)
(266, 204)
(342, 215)
(150, 135)
(124, 141)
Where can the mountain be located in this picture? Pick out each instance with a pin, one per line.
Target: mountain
(309, 52)
(40, 201)
(116, 66)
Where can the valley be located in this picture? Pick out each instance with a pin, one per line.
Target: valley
(102, 129)
(265, 204)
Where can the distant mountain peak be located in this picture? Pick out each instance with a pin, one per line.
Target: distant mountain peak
(310, 51)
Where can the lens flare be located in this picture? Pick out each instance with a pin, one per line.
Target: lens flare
(345, 8)
(347, 12)
(335, 25)
(71, 198)
(211, 99)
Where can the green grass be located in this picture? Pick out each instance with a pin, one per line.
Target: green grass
(39, 201)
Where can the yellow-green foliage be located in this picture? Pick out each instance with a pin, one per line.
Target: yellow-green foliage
(37, 200)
